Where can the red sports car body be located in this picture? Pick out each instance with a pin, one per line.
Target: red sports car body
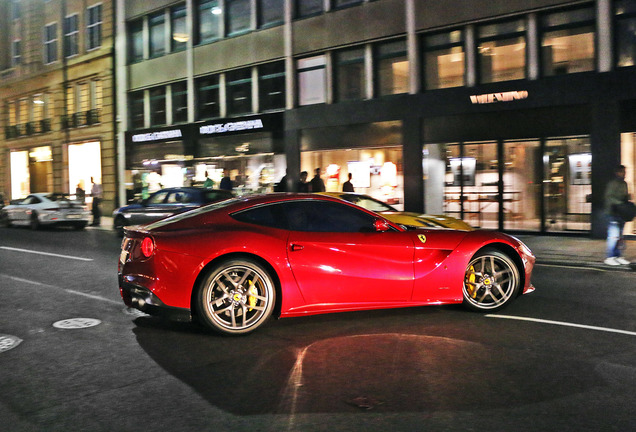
(233, 265)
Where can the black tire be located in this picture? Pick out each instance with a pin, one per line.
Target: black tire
(118, 224)
(35, 222)
(491, 281)
(80, 226)
(4, 220)
(236, 297)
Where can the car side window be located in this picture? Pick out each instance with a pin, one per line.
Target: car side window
(175, 198)
(158, 198)
(212, 196)
(266, 215)
(326, 216)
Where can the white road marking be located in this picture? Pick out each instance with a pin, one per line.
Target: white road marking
(565, 324)
(45, 253)
(70, 291)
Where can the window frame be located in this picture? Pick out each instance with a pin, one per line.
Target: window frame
(71, 35)
(50, 45)
(93, 27)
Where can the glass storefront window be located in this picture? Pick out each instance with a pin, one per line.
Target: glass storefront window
(501, 51)
(444, 60)
(628, 158)
(309, 7)
(180, 36)
(376, 172)
(84, 162)
(350, 76)
(136, 104)
(270, 12)
(567, 164)
(210, 19)
(20, 181)
(136, 39)
(392, 68)
(239, 91)
(158, 106)
(239, 16)
(157, 25)
(522, 179)
(208, 106)
(625, 33)
(312, 80)
(179, 102)
(568, 42)
(271, 86)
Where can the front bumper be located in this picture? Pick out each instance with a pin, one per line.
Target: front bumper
(141, 298)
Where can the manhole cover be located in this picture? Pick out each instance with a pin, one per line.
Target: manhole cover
(76, 323)
(8, 342)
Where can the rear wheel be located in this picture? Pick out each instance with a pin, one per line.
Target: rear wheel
(118, 224)
(236, 297)
(35, 222)
(4, 219)
(491, 281)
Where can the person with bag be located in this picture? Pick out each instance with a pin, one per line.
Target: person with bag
(617, 203)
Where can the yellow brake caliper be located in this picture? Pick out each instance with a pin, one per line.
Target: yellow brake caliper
(471, 281)
(251, 299)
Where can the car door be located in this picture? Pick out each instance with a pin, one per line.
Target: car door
(337, 256)
(21, 213)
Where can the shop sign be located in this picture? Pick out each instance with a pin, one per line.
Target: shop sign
(157, 136)
(231, 127)
(499, 97)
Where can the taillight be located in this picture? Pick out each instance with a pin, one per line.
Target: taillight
(147, 247)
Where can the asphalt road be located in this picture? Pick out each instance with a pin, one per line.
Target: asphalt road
(560, 359)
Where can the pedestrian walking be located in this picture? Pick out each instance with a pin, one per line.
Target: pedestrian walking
(303, 184)
(96, 193)
(348, 186)
(616, 194)
(317, 184)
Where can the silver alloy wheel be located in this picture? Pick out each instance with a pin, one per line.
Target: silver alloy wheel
(237, 297)
(491, 281)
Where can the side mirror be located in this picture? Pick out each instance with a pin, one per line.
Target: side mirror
(381, 225)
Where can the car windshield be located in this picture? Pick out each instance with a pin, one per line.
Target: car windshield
(193, 212)
(57, 197)
(367, 202)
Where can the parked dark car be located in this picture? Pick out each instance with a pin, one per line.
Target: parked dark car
(166, 202)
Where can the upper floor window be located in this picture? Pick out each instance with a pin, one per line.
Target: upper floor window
(15, 11)
(312, 80)
(179, 102)
(271, 87)
(71, 35)
(180, 34)
(50, 43)
(444, 60)
(136, 104)
(392, 68)
(16, 52)
(501, 51)
(350, 76)
(625, 33)
(136, 39)
(309, 7)
(94, 27)
(344, 3)
(158, 106)
(239, 91)
(208, 98)
(209, 21)
(270, 12)
(157, 29)
(239, 16)
(568, 41)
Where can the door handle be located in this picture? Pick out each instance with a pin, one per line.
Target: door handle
(296, 247)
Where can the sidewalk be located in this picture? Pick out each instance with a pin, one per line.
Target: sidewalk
(549, 249)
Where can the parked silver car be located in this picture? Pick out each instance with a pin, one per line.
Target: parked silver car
(39, 209)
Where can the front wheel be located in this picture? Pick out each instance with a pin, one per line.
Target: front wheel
(236, 297)
(4, 220)
(491, 281)
(35, 222)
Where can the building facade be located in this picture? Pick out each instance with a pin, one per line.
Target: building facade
(509, 114)
(56, 98)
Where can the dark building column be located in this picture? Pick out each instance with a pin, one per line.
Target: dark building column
(412, 160)
(606, 155)
(292, 154)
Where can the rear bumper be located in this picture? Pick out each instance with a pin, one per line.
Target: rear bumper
(141, 298)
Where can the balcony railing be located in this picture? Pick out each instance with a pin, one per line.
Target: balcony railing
(79, 119)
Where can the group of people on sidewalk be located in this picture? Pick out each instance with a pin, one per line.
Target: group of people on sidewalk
(619, 209)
